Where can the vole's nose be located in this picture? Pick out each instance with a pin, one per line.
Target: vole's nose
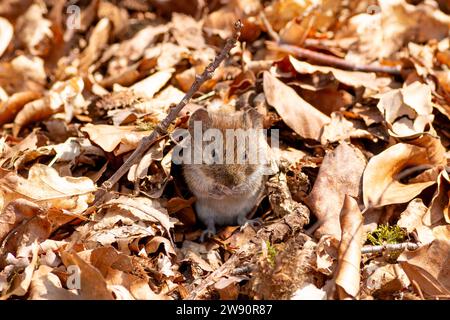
(231, 177)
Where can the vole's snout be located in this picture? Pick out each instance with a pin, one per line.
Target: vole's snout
(231, 178)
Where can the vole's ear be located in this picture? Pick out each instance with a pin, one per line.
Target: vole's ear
(202, 116)
(253, 119)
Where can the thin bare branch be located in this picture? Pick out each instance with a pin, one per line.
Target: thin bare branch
(390, 247)
(329, 60)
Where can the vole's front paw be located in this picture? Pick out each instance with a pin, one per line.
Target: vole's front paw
(206, 234)
(218, 191)
(240, 189)
(243, 221)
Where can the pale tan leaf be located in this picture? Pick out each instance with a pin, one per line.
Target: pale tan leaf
(10, 107)
(22, 281)
(44, 183)
(351, 78)
(110, 137)
(298, 114)
(439, 207)
(47, 286)
(6, 34)
(428, 267)
(339, 175)
(381, 185)
(411, 218)
(349, 258)
(92, 284)
(152, 84)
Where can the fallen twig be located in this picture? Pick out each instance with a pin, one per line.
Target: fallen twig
(329, 60)
(390, 247)
(161, 128)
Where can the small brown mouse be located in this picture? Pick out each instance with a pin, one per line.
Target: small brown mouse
(227, 191)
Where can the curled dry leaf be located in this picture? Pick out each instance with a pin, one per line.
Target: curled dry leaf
(10, 107)
(440, 204)
(298, 114)
(21, 282)
(45, 285)
(97, 41)
(381, 278)
(139, 170)
(45, 184)
(14, 213)
(411, 218)
(152, 84)
(326, 254)
(382, 178)
(340, 128)
(352, 78)
(407, 110)
(428, 267)
(339, 175)
(110, 137)
(92, 284)
(34, 31)
(349, 257)
(65, 95)
(6, 34)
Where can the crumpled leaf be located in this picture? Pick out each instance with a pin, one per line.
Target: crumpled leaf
(339, 175)
(428, 267)
(411, 218)
(351, 78)
(92, 284)
(439, 207)
(384, 278)
(47, 286)
(407, 110)
(381, 181)
(298, 114)
(349, 257)
(34, 31)
(22, 281)
(10, 107)
(152, 84)
(6, 34)
(110, 137)
(66, 95)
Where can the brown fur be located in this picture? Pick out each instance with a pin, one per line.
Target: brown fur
(225, 192)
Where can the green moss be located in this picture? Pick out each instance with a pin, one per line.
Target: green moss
(142, 125)
(386, 234)
(271, 253)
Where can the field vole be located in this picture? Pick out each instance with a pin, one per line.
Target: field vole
(227, 191)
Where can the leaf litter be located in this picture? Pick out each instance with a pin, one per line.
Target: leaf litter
(361, 100)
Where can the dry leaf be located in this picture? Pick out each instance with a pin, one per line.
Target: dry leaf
(298, 114)
(381, 181)
(351, 78)
(110, 137)
(6, 34)
(92, 284)
(340, 175)
(152, 84)
(428, 267)
(34, 30)
(347, 273)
